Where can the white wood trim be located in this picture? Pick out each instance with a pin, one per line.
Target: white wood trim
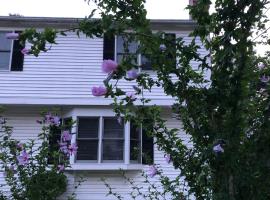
(105, 166)
(127, 143)
(100, 133)
(11, 54)
(72, 158)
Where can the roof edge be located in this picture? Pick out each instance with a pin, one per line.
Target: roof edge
(61, 22)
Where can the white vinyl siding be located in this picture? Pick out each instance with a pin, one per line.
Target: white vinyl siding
(65, 75)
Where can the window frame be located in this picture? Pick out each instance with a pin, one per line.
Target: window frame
(139, 56)
(126, 144)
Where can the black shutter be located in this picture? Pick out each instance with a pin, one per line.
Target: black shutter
(171, 39)
(108, 47)
(17, 56)
(147, 144)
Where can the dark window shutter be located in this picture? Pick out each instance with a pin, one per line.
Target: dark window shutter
(17, 56)
(171, 38)
(147, 145)
(108, 47)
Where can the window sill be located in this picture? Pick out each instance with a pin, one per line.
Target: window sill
(104, 167)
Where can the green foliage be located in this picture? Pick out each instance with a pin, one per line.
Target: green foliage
(27, 171)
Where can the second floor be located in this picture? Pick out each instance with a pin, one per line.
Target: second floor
(66, 73)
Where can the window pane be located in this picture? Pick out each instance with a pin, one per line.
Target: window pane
(113, 150)
(146, 63)
(5, 43)
(88, 127)
(113, 129)
(135, 150)
(4, 60)
(134, 131)
(132, 46)
(87, 149)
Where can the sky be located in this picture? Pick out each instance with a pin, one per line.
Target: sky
(157, 9)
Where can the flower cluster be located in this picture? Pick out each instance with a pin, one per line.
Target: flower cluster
(99, 91)
(23, 158)
(218, 148)
(152, 171)
(65, 145)
(50, 119)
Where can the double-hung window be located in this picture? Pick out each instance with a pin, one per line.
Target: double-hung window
(11, 57)
(116, 47)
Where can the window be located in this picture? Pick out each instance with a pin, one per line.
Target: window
(104, 140)
(118, 45)
(11, 57)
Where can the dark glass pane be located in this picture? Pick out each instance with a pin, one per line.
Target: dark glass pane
(134, 131)
(88, 127)
(108, 47)
(146, 63)
(87, 149)
(147, 143)
(4, 60)
(113, 149)
(5, 43)
(132, 46)
(135, 150)
(113, 129)
(17, 56)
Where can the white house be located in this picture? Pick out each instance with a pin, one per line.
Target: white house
(63, 78)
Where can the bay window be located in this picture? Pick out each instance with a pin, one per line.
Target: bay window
(104, 140)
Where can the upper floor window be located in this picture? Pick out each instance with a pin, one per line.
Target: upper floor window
(11, 57)
(115, 48)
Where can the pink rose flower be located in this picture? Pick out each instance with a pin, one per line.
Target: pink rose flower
(132, 74)
(109, 66)
(19, 146)
(63, 147)
(73, 148)
(131, 95)
(218, 149)
(162, 47)
(99, 91)
(12, 36)
(152, 171)
(61, 168)
(55, 120)
(261, 66)
(265, 79)
(23, 158)
(66, 136)
(25, 51)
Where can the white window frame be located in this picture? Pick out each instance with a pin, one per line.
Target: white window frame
(126, 164)
(11, 51)
(139, 60)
